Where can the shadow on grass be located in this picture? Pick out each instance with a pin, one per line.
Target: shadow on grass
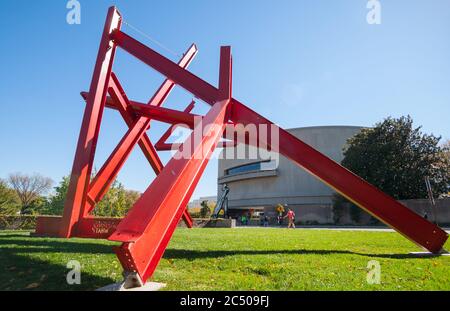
(18, 271)
(193, 254)
(37, 244)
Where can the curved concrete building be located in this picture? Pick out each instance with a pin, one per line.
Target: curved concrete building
(261, 183)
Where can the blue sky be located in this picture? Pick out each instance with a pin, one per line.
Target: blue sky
(299, 63)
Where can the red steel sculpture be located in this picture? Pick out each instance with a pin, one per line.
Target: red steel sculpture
(149, 225)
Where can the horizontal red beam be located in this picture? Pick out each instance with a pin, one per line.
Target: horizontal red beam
(176, 146)
(93, 228)
(166, 115)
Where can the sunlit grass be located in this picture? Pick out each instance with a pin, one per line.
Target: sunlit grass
(232, 259)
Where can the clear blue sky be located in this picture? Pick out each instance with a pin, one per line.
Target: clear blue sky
(300, 63)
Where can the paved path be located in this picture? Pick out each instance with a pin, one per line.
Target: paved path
(377, 229)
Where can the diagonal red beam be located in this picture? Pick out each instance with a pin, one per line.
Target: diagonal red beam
(149, 225)
(87, 140)
(354, 188)
(166, 67)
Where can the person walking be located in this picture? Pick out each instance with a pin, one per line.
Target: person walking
(266, 221)
(280, 211)
(291, 218)
(244, 220)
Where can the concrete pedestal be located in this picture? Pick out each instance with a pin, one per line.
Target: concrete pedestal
(118, 287)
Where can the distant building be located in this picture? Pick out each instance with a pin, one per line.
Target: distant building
(262, 184)
(212, 200)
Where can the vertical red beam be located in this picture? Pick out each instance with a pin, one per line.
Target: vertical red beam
(225, 73)
(354, 188)
(87, 141)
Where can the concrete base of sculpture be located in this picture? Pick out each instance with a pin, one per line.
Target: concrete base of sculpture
(147, 287)
(220, 223)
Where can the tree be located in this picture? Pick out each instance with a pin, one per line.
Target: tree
(9, 202)
(29, 188)
(55, 205)
(445, 159)
(396, 157)
(117, 201)
(205, 210)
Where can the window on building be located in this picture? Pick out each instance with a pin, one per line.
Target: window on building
(244, 168)
(251, 167)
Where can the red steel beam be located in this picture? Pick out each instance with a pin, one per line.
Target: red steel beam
(93, 228)
(165, 115)
(87, 141)
(149, 225)
(166, 67)
(176, 146)
(351, 186)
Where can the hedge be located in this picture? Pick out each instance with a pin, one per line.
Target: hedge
(17, 222)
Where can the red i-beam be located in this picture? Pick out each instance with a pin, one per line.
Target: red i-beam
(147, 228)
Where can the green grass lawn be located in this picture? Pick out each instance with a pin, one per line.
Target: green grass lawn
(231, 259)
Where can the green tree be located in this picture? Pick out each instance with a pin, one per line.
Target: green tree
(116, 202)
(396, 157)
(205, 210)
(55, 205)
(9, 202)
(37, 207)
(445, 159)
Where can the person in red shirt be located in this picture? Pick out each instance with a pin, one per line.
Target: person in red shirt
(291, 217)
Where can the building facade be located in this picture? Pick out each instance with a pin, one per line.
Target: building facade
(260, 183)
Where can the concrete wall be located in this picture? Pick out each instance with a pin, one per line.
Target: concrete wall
(421, 207)
(323, 214)
(286, 183)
